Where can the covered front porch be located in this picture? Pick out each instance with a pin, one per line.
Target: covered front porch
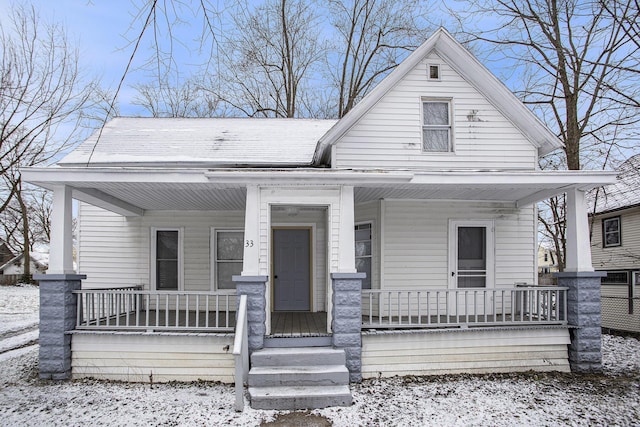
(410, 253)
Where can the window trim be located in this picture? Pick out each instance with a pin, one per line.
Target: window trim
(154, 254)
(213, 280)
(449, 127)
(619, 232)
(370, 223)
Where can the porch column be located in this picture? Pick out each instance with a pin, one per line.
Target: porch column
(61, 243)
(583, 299)
(254, 288)
(346, 238)
(251, 257)
(58, 305)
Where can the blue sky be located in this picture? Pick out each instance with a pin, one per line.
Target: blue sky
(101, 30)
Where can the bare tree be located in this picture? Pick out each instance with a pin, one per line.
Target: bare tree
(575, 63)
(373, 37)
(174, 98)
(269, 59)
(42, 96)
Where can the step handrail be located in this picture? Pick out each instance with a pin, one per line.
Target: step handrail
(241, 352)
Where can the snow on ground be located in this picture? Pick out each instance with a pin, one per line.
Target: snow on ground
(551, 399)
(19, 306)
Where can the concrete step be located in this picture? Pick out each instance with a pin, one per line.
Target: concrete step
(298, 356)
(299, 397)
(319, 375)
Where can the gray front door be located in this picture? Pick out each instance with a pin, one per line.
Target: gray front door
(291, 270)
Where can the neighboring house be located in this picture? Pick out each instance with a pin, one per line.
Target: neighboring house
(12, 271)
(395, 235)
(547, 265)
(615, 248)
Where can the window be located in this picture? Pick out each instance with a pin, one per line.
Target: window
(436, 126)
(228, 255)
(611, 232)
(167, 259)
(615, 278)
(433, 71)
(363, 252)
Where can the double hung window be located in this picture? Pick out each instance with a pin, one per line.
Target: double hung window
(228, 255)
(363, 252)
(436, 126)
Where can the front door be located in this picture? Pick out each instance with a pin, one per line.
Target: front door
(291, 272)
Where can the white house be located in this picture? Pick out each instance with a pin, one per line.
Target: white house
(394, 237)
(12, 270)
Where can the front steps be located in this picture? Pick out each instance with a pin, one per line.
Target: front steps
(298, 378)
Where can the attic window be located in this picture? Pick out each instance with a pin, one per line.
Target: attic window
(433, 71)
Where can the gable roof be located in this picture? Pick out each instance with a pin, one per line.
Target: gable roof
(467, 66)
(40, 260)
(625, 192)
(201, 142)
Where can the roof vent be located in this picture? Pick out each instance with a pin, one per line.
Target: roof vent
(433, 71)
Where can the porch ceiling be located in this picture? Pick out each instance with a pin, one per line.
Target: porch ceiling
(131, 192)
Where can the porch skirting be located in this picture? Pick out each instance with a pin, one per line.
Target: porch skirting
(491, 350)
(152, 357)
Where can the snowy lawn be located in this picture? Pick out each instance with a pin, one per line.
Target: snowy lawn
(554, 399)
(19, 307)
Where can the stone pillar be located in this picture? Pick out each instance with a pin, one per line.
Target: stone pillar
(254, 287)
(58, 311)
(347, 319)
(583, 313)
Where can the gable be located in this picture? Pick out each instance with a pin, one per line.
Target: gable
(389, 135)
(479, 98)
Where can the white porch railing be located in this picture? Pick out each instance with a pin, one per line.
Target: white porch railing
(464, 307)
(136, 309)
(241, 352)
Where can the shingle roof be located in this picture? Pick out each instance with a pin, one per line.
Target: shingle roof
(625, 192)
(129, 141)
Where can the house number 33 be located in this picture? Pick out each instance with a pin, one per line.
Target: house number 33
(248, 243)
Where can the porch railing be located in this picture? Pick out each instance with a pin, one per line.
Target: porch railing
(135, 309)
(464, 307)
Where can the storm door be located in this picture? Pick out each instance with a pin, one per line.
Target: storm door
(471, 264)
(291, 269)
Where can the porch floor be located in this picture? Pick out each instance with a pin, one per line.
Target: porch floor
(298, 324)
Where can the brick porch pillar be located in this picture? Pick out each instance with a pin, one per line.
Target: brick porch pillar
(58, 310)
(347, 319)
(254, 287)
(583, 312)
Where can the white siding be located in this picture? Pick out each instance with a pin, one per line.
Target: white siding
(416, 241)
(134, 357)
(390, 134)
(626, 256)
(115, 251)
(474, 351)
